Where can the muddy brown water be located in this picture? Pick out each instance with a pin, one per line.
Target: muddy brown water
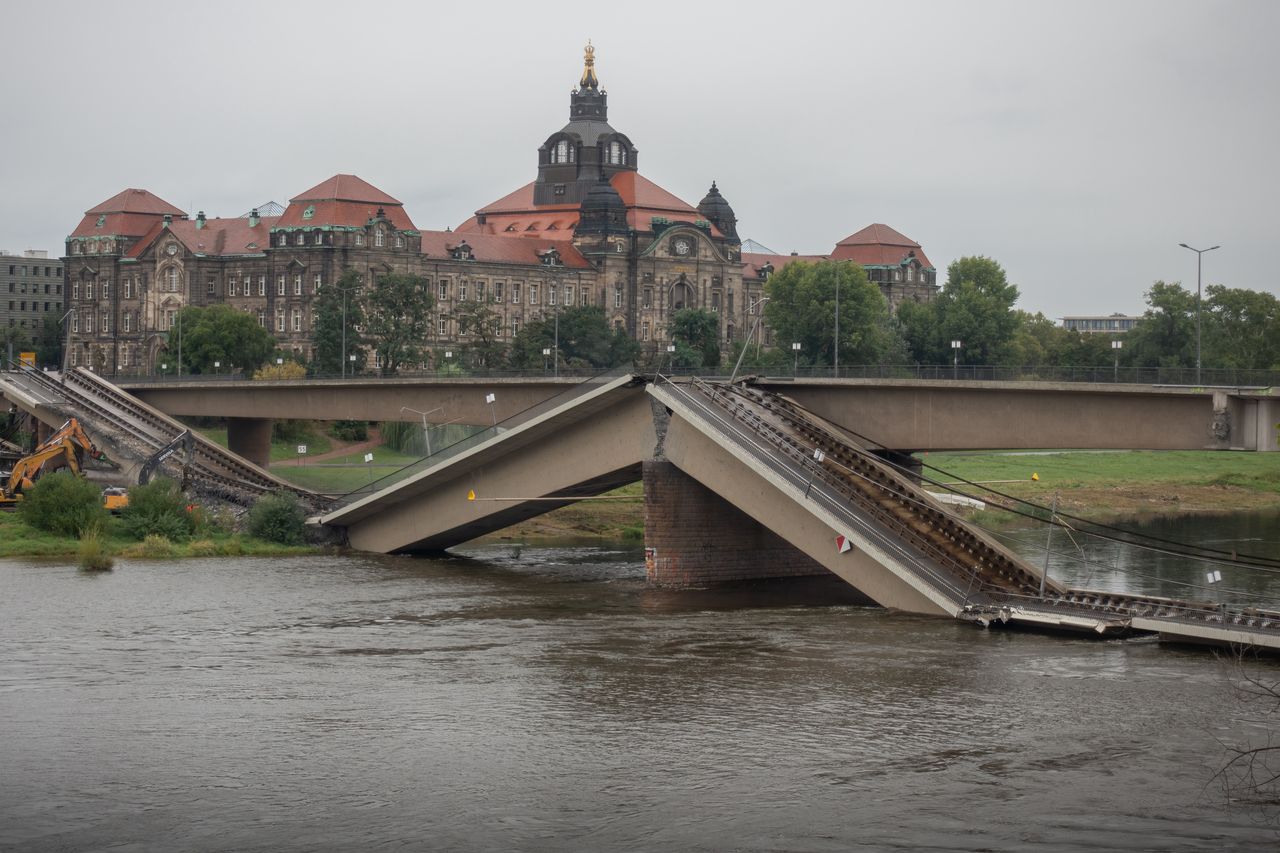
(519, 698)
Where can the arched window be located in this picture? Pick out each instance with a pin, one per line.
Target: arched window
(617, 154)
(562, 152)
(171, 279)
(378, 237)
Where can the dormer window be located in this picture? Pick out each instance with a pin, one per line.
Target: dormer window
(379, 237)
(302, 239)
(284, 239)
(462, 252)
(562, 152)
(617, 154)
(550, 258)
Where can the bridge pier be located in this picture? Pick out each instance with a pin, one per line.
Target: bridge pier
(250, 438)
(694, 537)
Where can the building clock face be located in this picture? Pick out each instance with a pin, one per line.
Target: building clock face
(173, 249)
(682, 246)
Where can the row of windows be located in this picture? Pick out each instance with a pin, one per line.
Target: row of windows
(317, 238)
(21, 269)
(35, 288)
(35, 306)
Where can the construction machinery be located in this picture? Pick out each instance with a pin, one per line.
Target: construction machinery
(66, 448)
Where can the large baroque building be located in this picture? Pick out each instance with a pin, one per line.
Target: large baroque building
(588, 230)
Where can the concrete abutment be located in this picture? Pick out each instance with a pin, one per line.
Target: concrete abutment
(694, 537)
(250, 438)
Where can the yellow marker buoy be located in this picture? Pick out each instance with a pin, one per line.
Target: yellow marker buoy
(471, 494)
(1035, 477)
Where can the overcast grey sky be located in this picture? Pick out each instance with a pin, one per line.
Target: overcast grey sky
(1075, 142)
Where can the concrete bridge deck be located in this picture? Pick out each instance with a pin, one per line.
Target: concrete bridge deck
(902, 414)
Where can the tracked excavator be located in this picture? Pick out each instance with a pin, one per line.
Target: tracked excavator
(66, 448)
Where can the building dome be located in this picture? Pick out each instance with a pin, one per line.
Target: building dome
(717, 211)
(603, 211)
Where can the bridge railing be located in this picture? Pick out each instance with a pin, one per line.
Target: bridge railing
(806, 474)
(1107, 375)
(498, 427)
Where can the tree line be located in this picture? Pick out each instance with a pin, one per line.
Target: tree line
(388, 323)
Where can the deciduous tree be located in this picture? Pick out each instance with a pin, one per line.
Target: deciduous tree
(802, 308)
(398, 311)
(220, 333)
(339, 306)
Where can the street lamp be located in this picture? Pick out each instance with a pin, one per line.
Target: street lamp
(426, 430)
(955, 359)
(1199, 258)
(546, 354)
(795, 348)
(747, 343)
(66, 349)
(835, 357)
(1116, 346)
(490, 399)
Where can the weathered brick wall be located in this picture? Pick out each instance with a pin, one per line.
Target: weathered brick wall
(693, 537)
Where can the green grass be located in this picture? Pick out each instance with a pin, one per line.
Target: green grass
(332, 479)
(280, 450)
(1247, 470)
(17, 539)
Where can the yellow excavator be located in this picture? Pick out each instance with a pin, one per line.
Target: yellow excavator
(66, 448)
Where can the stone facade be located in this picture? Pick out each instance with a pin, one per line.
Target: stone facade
(589, 230)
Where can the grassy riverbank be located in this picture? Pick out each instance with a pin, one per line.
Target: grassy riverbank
(1103, 486)
(18, 539)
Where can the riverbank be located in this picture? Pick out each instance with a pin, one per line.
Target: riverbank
(18, 539)
(1105, 486)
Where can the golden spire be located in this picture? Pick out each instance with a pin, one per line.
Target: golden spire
(589, 80)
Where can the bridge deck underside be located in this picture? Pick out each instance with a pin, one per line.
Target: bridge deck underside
(589, 447)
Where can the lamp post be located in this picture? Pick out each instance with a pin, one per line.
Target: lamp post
(490, 399)
(835, 356)
(1199, 258)
(1116, 346)
(426, 430)
(179, 341)
(795, 348)
(66, 349)
(955, 359)
(738, 363)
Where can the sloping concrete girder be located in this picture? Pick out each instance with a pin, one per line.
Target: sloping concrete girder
(698, 449)
(588, 447)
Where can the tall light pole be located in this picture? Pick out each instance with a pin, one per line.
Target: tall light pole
(955, 359)
(795, 348)
(66, 349)
(426, 430)
(835, 358)
(747, 343)
(1115, 350)
(1199, 258)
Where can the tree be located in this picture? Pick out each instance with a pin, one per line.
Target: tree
(696, 334)
(13, 340)
(336, 305)
(585, 340)
(1241, 328)
(1166, 334)
(479, 322)
(802, 308)
(220, 333)
(49, 343)
(975, 307)
(398, 313)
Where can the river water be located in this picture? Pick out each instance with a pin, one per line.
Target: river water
(545, 699)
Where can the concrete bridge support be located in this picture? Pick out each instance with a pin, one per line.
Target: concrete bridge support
(694, 537)
(250, 438)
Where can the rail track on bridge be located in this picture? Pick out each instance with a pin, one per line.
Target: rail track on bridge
(989, 584)
(213, 470)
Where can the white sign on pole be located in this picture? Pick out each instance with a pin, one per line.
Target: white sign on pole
(302, 449)
(1213, 576)
(818, 454)
(489, 398)
(368, 457)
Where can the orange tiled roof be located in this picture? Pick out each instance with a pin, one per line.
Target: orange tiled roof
(136, 201)
(515, 214)
(344, 201)
(500, 249)
(752, 262)
(218, 236)
(878, 245)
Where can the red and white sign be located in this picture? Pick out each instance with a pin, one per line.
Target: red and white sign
(843, 544)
